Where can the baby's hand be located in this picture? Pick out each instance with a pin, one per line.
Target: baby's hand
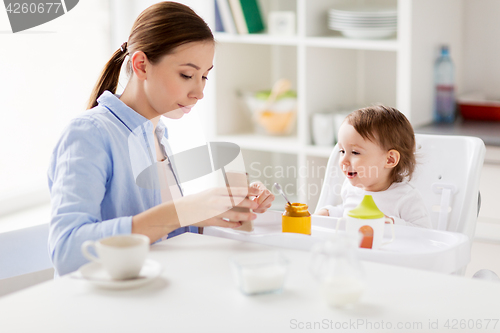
(322, 212)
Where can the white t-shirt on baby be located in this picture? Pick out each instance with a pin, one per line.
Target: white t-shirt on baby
(400, 201)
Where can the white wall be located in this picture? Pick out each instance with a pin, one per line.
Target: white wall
(482, 47)
(47, 74)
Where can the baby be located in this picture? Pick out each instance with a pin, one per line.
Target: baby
(377, 156)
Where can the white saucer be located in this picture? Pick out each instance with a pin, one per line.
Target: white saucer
(95, 274)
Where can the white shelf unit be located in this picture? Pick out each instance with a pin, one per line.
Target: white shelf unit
(329, 73)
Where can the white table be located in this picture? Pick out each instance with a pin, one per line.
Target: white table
(196, 293)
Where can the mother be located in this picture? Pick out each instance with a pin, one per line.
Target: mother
(92, 174)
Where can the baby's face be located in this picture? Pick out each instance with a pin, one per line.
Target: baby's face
(362, 161)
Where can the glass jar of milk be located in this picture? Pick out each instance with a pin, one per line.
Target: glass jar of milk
(336, 265)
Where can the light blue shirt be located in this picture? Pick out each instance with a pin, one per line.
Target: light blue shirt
(92, 179)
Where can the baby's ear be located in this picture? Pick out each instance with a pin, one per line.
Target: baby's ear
(393, 157)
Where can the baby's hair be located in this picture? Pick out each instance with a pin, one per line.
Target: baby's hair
(157, 31)
(390, 129)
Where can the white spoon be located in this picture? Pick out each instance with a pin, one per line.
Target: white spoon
(278, 187)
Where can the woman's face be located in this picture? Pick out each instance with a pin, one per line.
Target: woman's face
(176, 82)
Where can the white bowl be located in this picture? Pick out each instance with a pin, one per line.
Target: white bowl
(260, 272)
(364, 11)
(368, 33)
(334, 25)
(341, 20)
(278, 118)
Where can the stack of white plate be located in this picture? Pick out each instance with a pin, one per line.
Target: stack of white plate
(367, 22)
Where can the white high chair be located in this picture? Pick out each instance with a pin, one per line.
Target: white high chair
(447, 176)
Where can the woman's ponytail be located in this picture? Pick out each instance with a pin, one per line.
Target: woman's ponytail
(108, 80)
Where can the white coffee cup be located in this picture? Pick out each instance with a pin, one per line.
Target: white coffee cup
(122, 257)
(323, 129)
(281, 23)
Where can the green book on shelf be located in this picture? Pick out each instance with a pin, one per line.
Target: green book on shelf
(247, 16)
(253, 18)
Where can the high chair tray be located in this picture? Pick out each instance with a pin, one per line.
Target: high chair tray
(433, 250)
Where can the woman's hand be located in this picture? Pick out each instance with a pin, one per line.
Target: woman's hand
(214, 207)
(322, 212)
(264, 197)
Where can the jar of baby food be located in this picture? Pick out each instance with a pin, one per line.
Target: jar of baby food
(296, 218)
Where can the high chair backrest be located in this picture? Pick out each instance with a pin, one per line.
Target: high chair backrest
(447, 176)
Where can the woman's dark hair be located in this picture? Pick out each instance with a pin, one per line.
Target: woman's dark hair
(157, 31)
(390, 129)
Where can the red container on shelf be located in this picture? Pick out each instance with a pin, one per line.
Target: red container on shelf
(478, 107)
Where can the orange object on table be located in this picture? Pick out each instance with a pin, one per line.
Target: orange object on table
(367, 241)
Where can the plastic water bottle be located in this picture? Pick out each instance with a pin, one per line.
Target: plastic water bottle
(444, 105)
